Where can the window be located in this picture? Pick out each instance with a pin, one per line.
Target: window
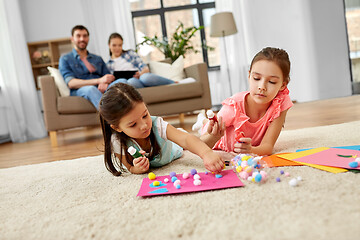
(160, 17)
(353, 22)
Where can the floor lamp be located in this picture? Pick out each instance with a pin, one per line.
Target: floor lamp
(223, 24)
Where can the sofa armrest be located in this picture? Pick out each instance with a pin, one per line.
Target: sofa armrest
(49, 96)
(199, 72)
(48, 92)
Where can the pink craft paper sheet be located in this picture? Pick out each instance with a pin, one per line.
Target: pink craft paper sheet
(229, 179)
(329, 157)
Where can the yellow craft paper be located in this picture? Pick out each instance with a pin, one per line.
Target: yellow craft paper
(296, 155)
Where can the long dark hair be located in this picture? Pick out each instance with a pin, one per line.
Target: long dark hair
(116, 102)
(112, 36)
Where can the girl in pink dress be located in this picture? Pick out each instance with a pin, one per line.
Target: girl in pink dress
(251, 121)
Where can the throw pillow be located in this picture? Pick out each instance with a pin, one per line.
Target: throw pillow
(59, 82)
(174, 71)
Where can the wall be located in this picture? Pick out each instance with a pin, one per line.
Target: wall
(314, 35)
(50, 19)
(331, 52)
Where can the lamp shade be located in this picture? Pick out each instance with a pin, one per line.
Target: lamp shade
(222, 24)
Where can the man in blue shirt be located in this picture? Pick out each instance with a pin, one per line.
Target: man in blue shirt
(85, 74)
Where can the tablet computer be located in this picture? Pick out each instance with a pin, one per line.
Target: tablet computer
(124, 74)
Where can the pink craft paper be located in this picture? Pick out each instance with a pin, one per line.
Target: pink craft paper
(229, 179)
(329, 157)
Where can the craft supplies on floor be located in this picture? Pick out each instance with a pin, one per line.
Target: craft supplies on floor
(249, 167)
(187, 183)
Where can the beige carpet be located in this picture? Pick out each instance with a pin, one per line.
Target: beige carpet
(79, 199)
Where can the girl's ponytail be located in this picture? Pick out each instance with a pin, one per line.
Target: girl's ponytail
(108, 159)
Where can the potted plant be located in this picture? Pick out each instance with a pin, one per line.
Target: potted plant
(179, 43)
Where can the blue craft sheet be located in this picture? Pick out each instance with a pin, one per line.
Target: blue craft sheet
(354, 147)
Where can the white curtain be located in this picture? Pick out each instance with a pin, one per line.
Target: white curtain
(123, 22)
(312, 32)
(105, 17)
(237, 55)
(21, 102)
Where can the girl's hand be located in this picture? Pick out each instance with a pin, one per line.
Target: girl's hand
(244, 146)
(213, 162)
(142, 164)
(216, 129)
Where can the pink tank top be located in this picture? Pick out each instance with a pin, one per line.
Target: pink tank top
(236, 121)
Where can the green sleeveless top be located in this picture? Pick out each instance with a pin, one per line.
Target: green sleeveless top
(169, 151)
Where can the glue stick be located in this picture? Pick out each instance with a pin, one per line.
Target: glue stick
(210, 114)
(133, 152)
(241, 135)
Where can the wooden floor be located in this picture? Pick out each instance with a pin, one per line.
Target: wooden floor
(84, 142)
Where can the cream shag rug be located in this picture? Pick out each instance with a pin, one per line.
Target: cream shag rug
(79, 199)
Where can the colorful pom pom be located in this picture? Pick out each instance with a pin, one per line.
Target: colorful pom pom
(177, 182)
(248, 169)
(197, 176)
(293, 182)
(244, 175)
(243, 164)
(185, 175)
(264, 175)
(258, 178)
(197, 182)
(151, 176)
(354, 164)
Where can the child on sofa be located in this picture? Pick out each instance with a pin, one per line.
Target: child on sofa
(251, 121)
(126, 121)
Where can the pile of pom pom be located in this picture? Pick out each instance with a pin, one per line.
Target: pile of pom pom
(249, 167)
